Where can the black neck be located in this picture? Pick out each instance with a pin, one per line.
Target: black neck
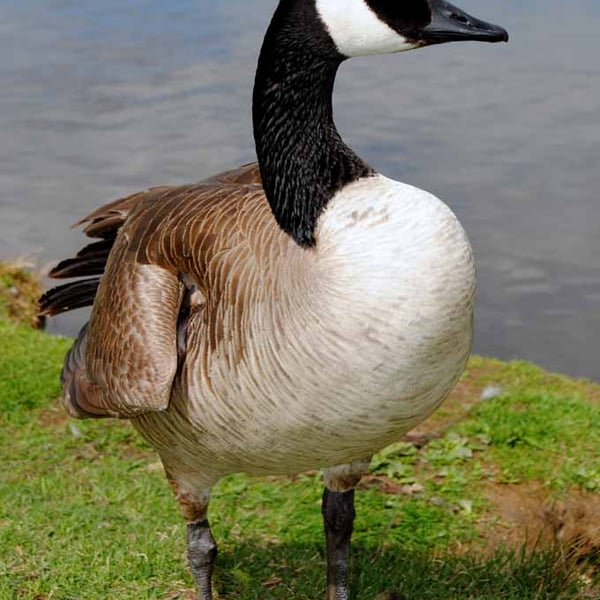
(303, 160)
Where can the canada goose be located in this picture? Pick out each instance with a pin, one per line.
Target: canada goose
(299, 314)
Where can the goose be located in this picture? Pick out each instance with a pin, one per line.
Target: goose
(298, 313)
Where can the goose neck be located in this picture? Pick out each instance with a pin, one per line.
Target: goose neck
(302, 158)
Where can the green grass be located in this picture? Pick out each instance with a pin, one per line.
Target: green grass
(29, 366)
(85, 512)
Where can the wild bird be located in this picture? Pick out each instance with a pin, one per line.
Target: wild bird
(300, 313)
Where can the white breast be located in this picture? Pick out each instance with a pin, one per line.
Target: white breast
(401, 276)
(388, 242)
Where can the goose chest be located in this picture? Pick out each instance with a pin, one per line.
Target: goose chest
(370, 330)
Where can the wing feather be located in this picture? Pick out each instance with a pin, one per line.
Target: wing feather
(149, 242)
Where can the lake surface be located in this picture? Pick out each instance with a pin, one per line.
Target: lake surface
(100, 99)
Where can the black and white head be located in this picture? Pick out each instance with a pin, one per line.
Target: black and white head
(363, 27)
(302, 158)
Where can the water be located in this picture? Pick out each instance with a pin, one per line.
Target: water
(100, 99)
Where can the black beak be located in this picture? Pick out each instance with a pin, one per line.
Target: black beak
(451, 24)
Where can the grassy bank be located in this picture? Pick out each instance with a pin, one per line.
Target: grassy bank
(495, 497)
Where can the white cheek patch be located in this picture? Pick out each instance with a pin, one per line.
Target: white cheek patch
(357, 31)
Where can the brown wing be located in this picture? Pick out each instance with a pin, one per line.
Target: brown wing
(104, 223)
(125, 361)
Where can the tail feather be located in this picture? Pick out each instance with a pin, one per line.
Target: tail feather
(69, 296)
(103, 224)
(104, 228)
(89, 261)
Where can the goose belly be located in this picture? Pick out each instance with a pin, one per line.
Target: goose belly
(369, 344)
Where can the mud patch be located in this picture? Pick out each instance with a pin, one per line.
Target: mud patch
(528, 515)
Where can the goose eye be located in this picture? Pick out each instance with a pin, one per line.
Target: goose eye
(459, 18)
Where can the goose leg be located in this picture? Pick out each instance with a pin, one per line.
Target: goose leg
(338, 518)
(202, 552)
(201, 546)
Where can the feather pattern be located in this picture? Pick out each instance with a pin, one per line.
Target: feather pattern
(275, 394)
(260, 388)
(89, 261)
(70, 296)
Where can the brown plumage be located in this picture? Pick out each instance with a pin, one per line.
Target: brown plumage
(204, 234)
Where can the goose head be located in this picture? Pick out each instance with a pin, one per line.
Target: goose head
(303, 160)
(365, 27)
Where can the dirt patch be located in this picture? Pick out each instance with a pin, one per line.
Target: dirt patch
(53, 417)
(19, 292)
(527, 514)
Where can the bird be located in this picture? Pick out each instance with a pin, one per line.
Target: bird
(297, 313)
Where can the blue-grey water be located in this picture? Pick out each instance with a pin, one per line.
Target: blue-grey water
(99, 99)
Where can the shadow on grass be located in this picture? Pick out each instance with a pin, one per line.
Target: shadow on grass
(294, 571)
